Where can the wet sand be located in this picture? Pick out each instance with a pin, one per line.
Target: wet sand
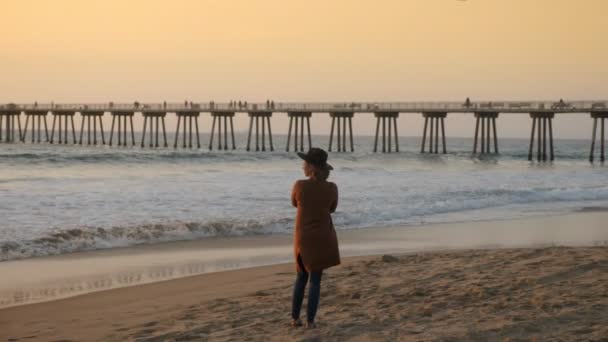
(482, 294)
(52, 278)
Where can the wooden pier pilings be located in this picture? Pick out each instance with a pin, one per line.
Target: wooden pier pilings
(342, 119)
(598, 116)
(217, 121)
(386, 119)
(122, 120)
(265, 118)
(486, 119)
(433, 131)
(9, 118)
(86, 117)
(62, 118)
(38, 118)
(186, 119)
(299, 118)
(155, 121)
(540, 121)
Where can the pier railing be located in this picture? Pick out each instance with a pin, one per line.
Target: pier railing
(362, 107)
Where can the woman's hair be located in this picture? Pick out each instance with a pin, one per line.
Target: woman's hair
(320, 173)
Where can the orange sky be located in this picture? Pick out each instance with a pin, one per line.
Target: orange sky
(343, 50)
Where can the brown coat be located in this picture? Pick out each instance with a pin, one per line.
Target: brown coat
(314, 235)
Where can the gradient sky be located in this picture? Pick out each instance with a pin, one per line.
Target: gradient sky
(330, 50)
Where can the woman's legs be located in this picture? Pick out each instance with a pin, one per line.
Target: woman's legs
(298, 294)
(314, 292)
(298, 290)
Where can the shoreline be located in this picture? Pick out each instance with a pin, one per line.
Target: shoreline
(58, 277)
(459, 217)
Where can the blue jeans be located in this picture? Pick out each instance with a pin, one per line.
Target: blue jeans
(314, 292)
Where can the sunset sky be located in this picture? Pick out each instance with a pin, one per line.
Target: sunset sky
(338, 50)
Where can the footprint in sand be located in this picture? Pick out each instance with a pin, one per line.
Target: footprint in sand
(150, 324)
(188, 316)
(143, 333)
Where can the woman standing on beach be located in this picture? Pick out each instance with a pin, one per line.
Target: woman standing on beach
(315, 240)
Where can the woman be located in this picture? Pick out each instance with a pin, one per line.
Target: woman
(315, 241)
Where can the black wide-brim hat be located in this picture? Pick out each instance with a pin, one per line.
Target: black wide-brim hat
(316, 157)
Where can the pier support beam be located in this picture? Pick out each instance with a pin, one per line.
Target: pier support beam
(265, 118)
(386, 119)
(62, 118)
(343, 119)
(435, 118)
(8, 119)
(122, 119)
(154, 121)
(488, 128)
(86, 117)
(217, 121)
(38, 118)
(185, 119)
(540, 121)
(598, 116)
(299, 118)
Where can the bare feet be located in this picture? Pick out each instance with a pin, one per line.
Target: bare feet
(296, 323)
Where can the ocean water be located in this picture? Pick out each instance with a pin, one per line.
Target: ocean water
(58, 199)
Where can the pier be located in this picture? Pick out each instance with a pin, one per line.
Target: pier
(434, 139)
(37, 117)
(186, 119)
(343, 119)
(95, 116)
(387, 119)
(435, 119)
(218, 117)
(301, 117)
(265, 118)
(487, 120)
(120, 117)
(8, 118)
(601, 116)
(155, 120)
(63, 118)
(540, 121)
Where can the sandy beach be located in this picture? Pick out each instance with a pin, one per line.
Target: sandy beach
(548, 293)
(429, 292)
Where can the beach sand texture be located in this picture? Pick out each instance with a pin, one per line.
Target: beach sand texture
(553, 293)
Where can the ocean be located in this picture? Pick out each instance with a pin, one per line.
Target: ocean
(57, 199)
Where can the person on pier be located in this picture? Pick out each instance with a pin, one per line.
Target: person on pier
(315, 239)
